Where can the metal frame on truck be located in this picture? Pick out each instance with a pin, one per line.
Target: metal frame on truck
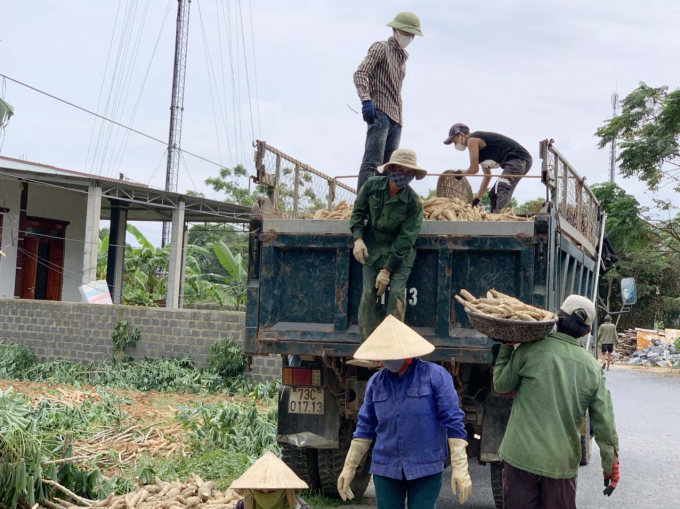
(304, 288)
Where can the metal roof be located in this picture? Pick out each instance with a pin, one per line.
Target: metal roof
(145, 203)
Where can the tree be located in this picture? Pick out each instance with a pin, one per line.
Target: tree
(642, 256)
(648, 134)
(227, 182)
(530, 208)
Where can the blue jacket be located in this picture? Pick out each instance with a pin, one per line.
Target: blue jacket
(410, 417)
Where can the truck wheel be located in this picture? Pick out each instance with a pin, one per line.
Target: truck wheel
(331, 462)
(586, 442)
(305, 464)
(497, 483)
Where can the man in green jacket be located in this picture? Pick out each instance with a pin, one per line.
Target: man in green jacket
(556, 382)
(385, 223)
(608, 339)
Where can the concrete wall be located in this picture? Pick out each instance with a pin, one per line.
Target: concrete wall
(49, 203)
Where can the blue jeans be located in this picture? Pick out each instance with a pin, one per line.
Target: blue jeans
(422, 493)
(382, 138)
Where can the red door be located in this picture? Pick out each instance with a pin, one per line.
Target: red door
(29, 267)
(54, 274)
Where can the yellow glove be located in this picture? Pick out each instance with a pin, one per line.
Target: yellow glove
(382, 281)
(357, 449)
(360, 251)
(460, 477)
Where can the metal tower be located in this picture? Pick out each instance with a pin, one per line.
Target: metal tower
(177, 103)
(612, 153)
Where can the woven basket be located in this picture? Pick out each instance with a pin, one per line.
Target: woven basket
(510, 331)
(448, 186)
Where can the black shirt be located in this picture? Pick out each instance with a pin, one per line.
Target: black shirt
(500, 148)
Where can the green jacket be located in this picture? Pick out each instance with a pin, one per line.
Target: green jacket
(393, 224)
(607, 335)
(556, 382)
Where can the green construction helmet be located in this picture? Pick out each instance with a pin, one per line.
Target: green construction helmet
(407, 22)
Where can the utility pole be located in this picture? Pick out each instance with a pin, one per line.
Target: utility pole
(177, 103)
(612, 153)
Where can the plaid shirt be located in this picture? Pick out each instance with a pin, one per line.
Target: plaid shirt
(380, 75)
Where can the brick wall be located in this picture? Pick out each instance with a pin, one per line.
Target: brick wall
(82, 332)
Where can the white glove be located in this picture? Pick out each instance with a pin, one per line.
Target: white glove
(360, 251)
(460, 477)
(382, 281)
(357, 449)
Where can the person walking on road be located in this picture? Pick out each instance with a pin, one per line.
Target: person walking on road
(491, 150)
(608, 339)
(270, 484)
(411, 411)
(556, 382)
(385, 223)
(378, 81)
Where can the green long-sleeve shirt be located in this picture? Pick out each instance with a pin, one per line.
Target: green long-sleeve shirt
(555, 381)
(393, 224)
(607, 335)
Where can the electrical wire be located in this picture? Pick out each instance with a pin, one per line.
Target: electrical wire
(108, 119)
(257, 92)
(101, 88)
(236, 93)
(245, 63)
(224, 85)
(126, 136)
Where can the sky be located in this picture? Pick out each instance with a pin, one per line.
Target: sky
(527, 69)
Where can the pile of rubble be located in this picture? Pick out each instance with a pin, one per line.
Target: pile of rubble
(662, 354)
(627, 343)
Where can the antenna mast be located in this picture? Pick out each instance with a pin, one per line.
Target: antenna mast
(177, 103)
(612, 153)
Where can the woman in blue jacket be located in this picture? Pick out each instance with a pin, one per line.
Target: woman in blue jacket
(411, 411)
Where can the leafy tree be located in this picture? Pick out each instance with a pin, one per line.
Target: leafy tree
(227, 182)
(642, 256)
(207, 234)
(530, 208)
(648, 134)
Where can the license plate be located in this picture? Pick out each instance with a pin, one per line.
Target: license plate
(305, 401)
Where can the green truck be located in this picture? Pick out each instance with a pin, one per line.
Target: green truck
(304, 288)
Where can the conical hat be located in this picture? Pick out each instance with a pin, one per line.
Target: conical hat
(269, 473)
(392, 340)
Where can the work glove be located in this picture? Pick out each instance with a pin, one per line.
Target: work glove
(360, 251)
(475, 202)
(460, 477)
(382, 281)
(611, 480)
(357, 450)
(368, 111)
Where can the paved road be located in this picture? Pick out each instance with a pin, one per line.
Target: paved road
(647, 407)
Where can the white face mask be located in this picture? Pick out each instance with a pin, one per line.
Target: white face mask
(460, 146)
(403, 40)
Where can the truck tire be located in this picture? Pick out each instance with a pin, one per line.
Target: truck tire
(331, 462)
(586, 443)
(497, 483)
(305, 464)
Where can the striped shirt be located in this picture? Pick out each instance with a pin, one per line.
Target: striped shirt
(380, 75)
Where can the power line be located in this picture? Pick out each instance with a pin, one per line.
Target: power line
(107, 119)
(245, 63)
(101, 88)
(257, 92)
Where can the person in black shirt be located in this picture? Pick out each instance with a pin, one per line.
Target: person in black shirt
(491, 150)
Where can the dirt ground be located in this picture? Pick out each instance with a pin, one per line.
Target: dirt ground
(666, 372)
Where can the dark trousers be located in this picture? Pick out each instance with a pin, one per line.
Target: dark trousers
(501, 192)
(522, 490)
(374, 309)
(422, 493)
(382, 138)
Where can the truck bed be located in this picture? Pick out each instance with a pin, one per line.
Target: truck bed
(305, 286)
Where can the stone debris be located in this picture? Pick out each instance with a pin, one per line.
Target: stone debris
(662, 354)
